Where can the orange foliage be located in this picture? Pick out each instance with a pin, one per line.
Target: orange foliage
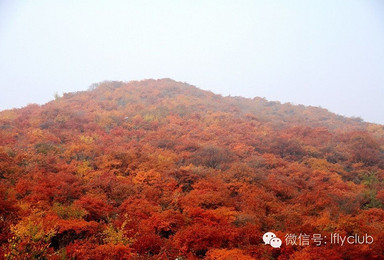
(160, 169)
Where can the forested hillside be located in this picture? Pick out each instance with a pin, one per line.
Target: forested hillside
(159, 169)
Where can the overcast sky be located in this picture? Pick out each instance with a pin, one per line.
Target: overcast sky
(326, 53)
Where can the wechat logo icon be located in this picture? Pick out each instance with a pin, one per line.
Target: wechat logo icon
(270, 238)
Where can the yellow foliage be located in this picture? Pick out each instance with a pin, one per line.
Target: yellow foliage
(87, 139)
(149, 118)
(83, 168)
(32, 229)
(116, 235)
(68, 212)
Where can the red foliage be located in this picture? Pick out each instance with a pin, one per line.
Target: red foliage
(160, 169)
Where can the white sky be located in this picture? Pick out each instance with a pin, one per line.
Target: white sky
(327, 53)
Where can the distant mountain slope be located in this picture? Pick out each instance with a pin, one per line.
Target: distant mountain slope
(159, 92)
(161, 169)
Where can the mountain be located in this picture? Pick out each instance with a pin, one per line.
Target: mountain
(161, 169)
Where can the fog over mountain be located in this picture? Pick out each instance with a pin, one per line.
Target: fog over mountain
(321, 53)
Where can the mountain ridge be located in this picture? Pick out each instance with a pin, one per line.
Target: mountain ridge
(229, 100)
